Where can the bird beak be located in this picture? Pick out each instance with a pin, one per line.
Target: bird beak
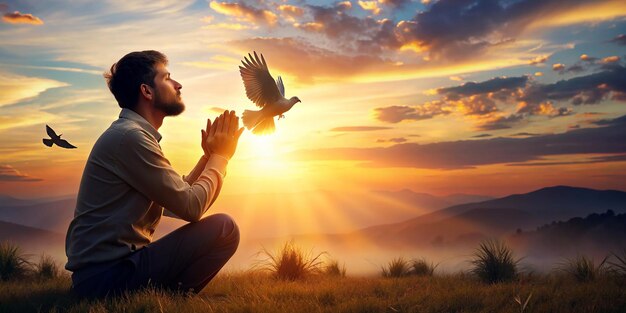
(299, 100)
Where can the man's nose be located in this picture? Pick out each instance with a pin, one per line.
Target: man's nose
(178, 85)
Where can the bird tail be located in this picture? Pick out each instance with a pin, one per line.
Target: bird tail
(251, 118)
(47, 142)
(265, 127)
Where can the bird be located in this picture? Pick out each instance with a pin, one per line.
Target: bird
(266, 93)
(56, 139)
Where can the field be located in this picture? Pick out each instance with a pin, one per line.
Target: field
(261, 292)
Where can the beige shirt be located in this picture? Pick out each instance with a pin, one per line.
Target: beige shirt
(126, 184)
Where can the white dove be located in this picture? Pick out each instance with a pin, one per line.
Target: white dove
(265, 93)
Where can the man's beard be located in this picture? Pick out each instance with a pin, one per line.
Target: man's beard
(171, 108)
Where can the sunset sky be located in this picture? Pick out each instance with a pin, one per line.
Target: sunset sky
(482, 97)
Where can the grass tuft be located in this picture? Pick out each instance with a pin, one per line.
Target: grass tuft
(398, 267)
(619, 266)
(13, 264)
(583, 268)
(421, 267)
(47, 268)
(291, 263)
(493, 262)
(334, 269)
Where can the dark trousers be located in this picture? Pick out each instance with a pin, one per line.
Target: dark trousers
(184, 260)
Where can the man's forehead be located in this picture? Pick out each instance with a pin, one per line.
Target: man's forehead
(162, 69)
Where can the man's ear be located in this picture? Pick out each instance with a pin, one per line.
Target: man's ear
(146, 91)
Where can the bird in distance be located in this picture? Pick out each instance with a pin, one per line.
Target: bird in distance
(56, 139)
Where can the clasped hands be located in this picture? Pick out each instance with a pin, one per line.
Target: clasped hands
(221, 136)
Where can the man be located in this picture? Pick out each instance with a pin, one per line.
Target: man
(127, 183)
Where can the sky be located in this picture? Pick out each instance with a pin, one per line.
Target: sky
(479, 97)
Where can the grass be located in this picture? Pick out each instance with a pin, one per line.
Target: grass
(618, 266)
(13, 264)
(493, 262)
(398, 267)
(334, 269)
(46, 268)
(583, 268)
(291, 263)
(262, 292)
(421, 267)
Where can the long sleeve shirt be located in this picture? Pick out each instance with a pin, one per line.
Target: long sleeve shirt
(126, 185)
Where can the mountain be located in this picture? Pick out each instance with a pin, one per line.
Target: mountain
(33, 240)
(596, 234)
(51, 215)
(468, 223)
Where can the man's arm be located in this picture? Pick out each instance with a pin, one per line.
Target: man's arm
(141, 164)
(190, 179)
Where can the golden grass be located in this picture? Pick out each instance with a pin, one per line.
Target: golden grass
(262, 292)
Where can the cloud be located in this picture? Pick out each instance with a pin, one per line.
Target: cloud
(358, 128)
(611, 59)
(588, 89)
(4, 8)
(344, 5)
(395, 3)
(396, 114)
(308, 62)
(609, 139)
(451, 29)
(244, 12)
(8, 173)
(371, 6)
(16, 88)
(620, 40)
(482, 100)
(497, 122)
(394, 140)
(538, 60)
(558, 67)
(482, 136)
(489, 86)
(291, 12)
(20, 18)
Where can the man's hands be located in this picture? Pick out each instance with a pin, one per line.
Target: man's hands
(222, 136)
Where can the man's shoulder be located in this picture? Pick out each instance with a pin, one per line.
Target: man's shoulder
(122, 131)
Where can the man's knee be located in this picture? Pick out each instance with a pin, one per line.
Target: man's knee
(224, 222)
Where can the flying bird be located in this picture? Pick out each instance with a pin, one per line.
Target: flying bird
(56, 139)
(266, 93)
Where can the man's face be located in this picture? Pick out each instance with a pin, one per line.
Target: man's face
(167, 96)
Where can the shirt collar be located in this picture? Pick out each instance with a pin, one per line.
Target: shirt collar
(134, 116)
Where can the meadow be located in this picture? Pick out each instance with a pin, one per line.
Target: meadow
(579, 285)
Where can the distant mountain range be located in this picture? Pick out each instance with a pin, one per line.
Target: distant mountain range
(404, 218)
(466, 224)
(596, 234)
(359, 209)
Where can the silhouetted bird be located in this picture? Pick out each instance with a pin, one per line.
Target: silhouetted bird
(56, 139)
(265, 93)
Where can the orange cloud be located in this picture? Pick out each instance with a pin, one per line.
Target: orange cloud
(8, 173)
(611, 59)
(19, 18)
(558, 67)
(291, 12)
(345, 5)
(371, 6)
(311, 26)
(246, 13)
(539, 60)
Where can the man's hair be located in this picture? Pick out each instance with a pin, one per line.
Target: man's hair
(132, 70)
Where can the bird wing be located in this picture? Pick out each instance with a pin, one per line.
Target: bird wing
(260, 86)
(51, 132)
(281, 87)
(63, 143)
